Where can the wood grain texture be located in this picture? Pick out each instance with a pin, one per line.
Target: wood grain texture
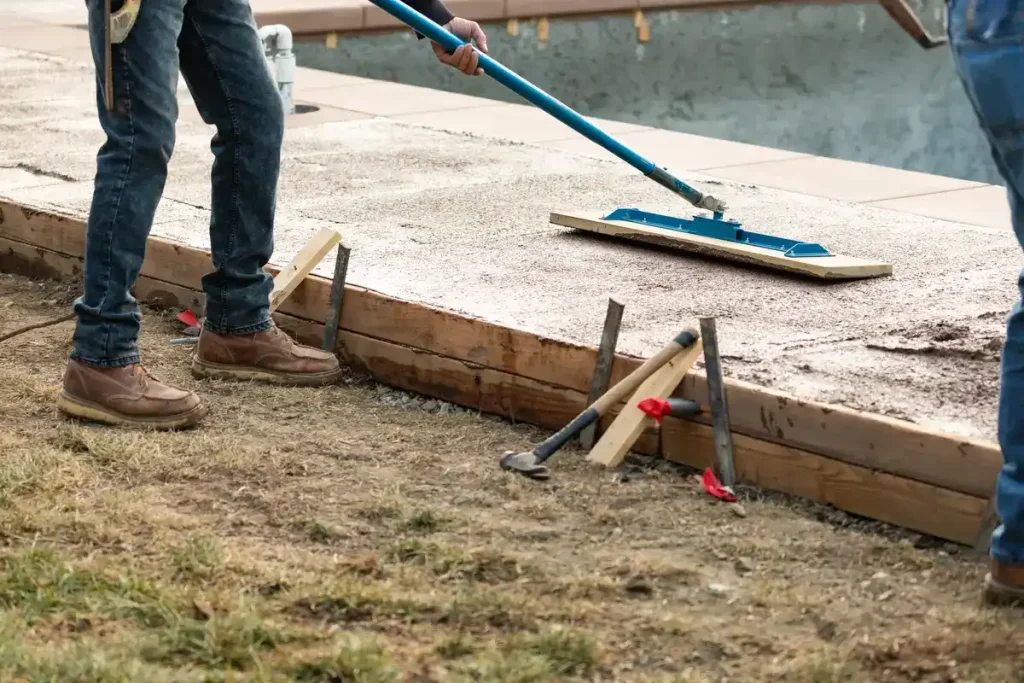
(903, 502)
(613, 446)
(862, 439)
(877, 495)
(826, 268)
(292, 275)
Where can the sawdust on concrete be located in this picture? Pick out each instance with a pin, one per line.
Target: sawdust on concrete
(462, 223)
(354, 533)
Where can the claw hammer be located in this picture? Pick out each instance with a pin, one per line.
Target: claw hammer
(117, 25)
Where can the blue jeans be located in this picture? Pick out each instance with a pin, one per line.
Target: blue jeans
(987, 41)
(216, 47)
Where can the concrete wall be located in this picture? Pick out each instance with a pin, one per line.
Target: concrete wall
(839, 81)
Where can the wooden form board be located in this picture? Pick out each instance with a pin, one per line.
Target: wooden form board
(613, 446)
(866, 440)
(836, 267)
(939, 512)
(35, 239)
(872, 441)
(920, 507)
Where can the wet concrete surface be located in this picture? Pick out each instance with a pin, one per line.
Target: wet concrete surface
(462, 223)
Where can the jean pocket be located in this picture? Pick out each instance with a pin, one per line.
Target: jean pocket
(992, 21)
(992, 74)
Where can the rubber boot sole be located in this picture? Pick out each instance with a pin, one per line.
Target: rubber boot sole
(205, 370)
(91, 412)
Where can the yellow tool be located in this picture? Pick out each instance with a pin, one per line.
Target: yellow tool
(117, 26)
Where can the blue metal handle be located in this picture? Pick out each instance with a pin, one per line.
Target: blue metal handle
(523, 88)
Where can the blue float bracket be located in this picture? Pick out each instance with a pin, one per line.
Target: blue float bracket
(720, 229)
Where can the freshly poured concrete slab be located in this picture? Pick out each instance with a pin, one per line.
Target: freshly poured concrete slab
(461, 222)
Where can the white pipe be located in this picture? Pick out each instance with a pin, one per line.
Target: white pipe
(277, 50)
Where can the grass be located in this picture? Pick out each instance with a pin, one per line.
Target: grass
(322, 535)
(198, 559)
(235, 642)
(353, 662)
(39, 585)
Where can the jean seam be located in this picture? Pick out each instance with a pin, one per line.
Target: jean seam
(118, 362)
(235, 180)
(246, 329)
(126, 65)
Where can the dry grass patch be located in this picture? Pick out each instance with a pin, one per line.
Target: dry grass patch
(338, 534)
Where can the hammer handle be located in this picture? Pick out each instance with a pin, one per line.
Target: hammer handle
(626, 385)
(108, 59)
(633, 380)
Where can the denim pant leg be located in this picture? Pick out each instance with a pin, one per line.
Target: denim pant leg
(987, 41)
(223, 65)
(131, 170)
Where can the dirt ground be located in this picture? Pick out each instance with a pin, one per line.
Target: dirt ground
(355, 533)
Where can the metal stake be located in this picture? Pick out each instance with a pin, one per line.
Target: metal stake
(719, 405)
(602, 376)
(337, 298)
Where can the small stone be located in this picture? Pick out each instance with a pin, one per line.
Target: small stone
(880, 576)
(638, 586)
(885, 596)
(743, 565)
(718, 589)
(430, 406)
(738, 510)
(202, 611)
(445, 408)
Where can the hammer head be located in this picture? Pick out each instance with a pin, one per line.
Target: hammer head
(123, 21)
(525, 464)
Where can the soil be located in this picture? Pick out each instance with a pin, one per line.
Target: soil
(357, 533)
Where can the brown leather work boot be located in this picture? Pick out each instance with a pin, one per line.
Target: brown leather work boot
(269, 356)
(126, 396)
(1004, 585)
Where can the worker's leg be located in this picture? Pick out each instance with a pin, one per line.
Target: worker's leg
(987, 41)
(223, 65)
(103, 380)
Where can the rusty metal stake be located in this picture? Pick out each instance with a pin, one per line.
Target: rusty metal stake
(337, 298)
(602, 376)
(719, 404)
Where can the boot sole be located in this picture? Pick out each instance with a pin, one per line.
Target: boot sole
(90, 412)
(204, 370)
(998, 595)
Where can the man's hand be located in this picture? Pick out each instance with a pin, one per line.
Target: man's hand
(465, 59)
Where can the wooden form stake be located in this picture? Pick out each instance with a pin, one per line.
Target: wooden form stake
(292, 275)
(603, 367)
(719, 404)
